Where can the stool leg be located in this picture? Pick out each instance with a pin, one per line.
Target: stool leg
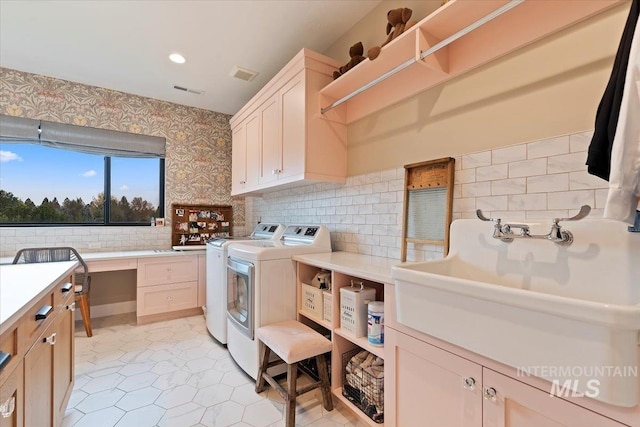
(83, 299)
(264, 363)
(327, 402)
(290, 404)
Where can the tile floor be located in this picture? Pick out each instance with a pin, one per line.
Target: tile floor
(174, 374)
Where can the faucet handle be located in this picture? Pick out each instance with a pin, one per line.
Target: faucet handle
(584, 211)
(481, 216)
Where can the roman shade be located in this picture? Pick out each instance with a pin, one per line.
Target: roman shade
(80, 138)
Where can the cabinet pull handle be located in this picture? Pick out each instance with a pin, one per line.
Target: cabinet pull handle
(490, 394)
(44, 312)
(274, 171)
(51, 340)
(7, 408)
(469, 383)
(66, 287)
(4, 359)
(243, 182)
(72, 306)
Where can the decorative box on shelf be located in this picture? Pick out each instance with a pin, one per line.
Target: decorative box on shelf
(353, 308)
(312, 304)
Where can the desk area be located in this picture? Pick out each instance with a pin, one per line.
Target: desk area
(167, 283)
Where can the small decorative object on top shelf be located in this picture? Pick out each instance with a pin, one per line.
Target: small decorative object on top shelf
(355, 52)
(398, 22)
(193, 225)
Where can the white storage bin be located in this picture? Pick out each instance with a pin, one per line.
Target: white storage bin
(311, 301)
(353, 308)
(328, 305)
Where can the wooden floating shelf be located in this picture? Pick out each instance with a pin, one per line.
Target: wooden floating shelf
(524, 24)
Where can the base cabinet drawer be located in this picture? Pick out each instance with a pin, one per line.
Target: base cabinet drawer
(166, 298)
(160, 271)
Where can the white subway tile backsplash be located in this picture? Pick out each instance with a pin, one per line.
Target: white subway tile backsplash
(476, 189)
(568, 163)
(528, 168)
(601, 198)
(509, 154)
(548, 147)
(570, 199)
(580, 141)
(520, 202)
(490, 173)
(509, 186)
(492, 203)
(464, 205)
(475, 160)
(464, 176)
(548, 183)
(583, 180)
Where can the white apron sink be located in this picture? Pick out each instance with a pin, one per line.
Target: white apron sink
(566, 313)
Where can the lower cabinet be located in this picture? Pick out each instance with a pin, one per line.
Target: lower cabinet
(48, 372)
(169, 286)
(428, 386)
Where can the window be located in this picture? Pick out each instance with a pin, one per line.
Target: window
(44, 183)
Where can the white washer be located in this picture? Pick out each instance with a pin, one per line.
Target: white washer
(261, 287)
(216, 311)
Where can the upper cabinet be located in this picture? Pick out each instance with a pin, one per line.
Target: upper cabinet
(456, 38)
(281, 139)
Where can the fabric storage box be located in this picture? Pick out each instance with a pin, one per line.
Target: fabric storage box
(311, 301)
(327, 299)
(353, 308)
(363, 382)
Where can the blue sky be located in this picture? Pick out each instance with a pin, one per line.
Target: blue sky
(35, 172)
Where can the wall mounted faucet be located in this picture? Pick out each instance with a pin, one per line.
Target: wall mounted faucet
(505, 233)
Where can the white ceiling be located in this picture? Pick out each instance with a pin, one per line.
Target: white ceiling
(124, 45)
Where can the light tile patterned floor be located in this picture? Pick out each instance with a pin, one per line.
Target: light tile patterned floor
(173, 374)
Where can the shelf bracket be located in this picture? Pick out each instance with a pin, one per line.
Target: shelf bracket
(506, 7)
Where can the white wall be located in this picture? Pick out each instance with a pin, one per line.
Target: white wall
(539, 179)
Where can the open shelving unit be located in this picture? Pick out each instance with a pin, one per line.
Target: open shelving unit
(342, 340)
(456, 44)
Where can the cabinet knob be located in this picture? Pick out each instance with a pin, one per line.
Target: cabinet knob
(490, 394)
(243, 182)
(169, 298)
(51, 340)
(72, 306)
(274, 171)
(7, 407)
(469, 383)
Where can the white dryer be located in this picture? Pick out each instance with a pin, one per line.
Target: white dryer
(216, 305)
(261, 287)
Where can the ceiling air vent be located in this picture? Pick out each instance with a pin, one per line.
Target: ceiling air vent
(186, 89)
(243, 73)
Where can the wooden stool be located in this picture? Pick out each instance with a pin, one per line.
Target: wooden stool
(293, 342)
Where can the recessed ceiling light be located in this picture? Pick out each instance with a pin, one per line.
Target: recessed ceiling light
(177, 58)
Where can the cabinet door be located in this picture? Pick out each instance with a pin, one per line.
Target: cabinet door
(11, 403)
(238, 159)
(63, 360)
(252, 130)
(510, 403)
(38, 381)
(429, 387)
(292, 100)
(271, 143)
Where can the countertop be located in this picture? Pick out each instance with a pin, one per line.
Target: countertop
(368, 267)
(101, 256)
(20, 284)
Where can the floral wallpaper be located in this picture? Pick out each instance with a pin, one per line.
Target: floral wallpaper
(198, 152)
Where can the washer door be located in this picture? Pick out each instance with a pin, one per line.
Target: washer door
(240, 289)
